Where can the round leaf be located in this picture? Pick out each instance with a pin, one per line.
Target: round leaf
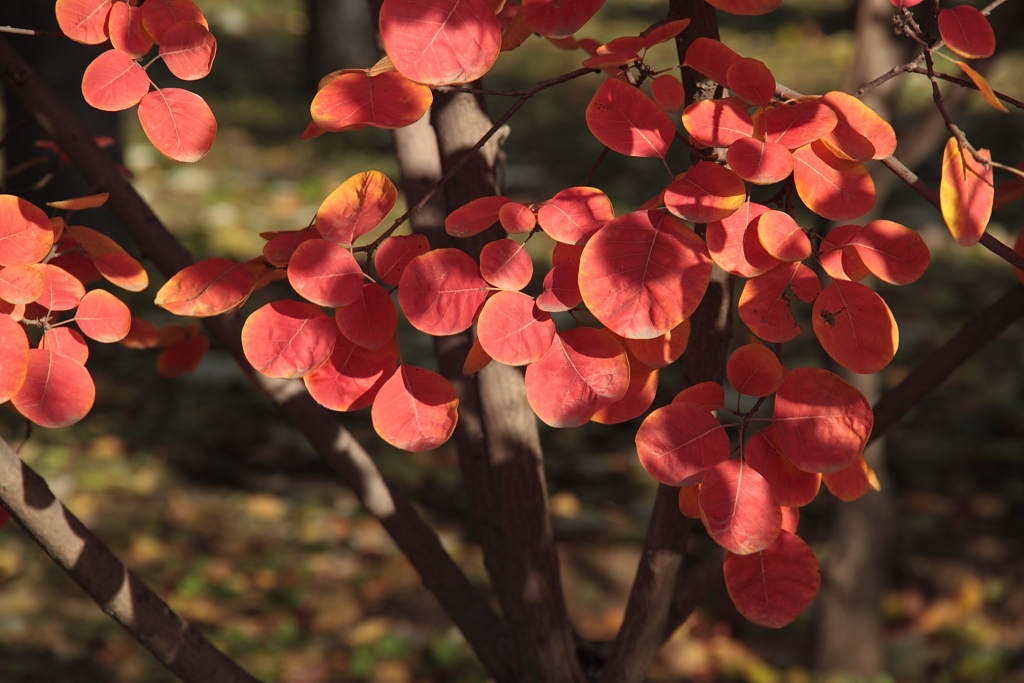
(188, 50)
(103, 317)
(761, 163)
(706, 192)
(286, 339)
(356, 99)
(21, 284)
(798, 124)
(209, 287)
(781, 237)
(61, 290)
(753, 370)
(679, 442)
(352, 376)
(356, 207)
(892, 252)
(764, 301)
(25, 232)
(371, 320)
(626, 120)
(441, 292)
(13, 357)
(415, 410)
(771, 588)
(179, 123)
(558, 19)
(325, 273)
(474, 216)
(643, 386)
(512, 330)
(738, 508)
(574, 214)
(855, 327)
(506, 264)
(734, 245)
(860, 133)
(114, 81)
(662, 350)
(57, 391)
(717, 123)
(792, 487)
(126, 32)
(158, 16)
(84, 21)
(709, 395)
(752, 80)
(395, 253)
(966, 31)
(831, 187)
(66, 342)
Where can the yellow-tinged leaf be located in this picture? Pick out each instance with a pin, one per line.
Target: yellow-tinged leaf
(983, 87)
(966, 193)
(79, 203)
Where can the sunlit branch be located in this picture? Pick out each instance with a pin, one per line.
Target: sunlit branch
(962, 82)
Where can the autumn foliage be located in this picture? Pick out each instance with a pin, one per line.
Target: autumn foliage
(615, 295)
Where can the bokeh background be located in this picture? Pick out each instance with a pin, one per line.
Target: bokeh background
(221, 507)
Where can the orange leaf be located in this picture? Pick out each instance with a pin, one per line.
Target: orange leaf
(706, 192)
(892, 252)
(476, 359)
(711, 58)
(103, 317)
(860, 133)
(855, 327)
(758, 162)
(188, 49)
(57, 391)
(517, 218)
(61, 290)
(357, 99)
(65, 342)
(13, 357)
(415, 410)
(574, 214)
(750, 79)
(126, 31)
(207, 288)
(717, 123)
(662, 350)
(781, 237)
(734, 245)
(797, 124)
(80, 203)
(158, 16)
(25, 232)
(764, 301)
(833, 188)
(626, 120)
(179, 123)
(966, 193)
(709, 395)
(141, 335)
(109, 259)
(983, 87)
(84, 21)
(325, 273)
(852, 482)
(474, 216)
(506, 264)
(21, 283)
(840, 260)
(643, 386)
(512, 330)
(753, 370)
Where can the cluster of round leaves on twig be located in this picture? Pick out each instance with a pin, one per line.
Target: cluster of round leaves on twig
(178, 122)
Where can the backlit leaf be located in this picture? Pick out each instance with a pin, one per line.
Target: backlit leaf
(141, 335)
(688, 506)
(833, 188)
(752, 80)
(781, 237)
(356, 207)
(717, 123)
(182, 356)
(325, 273)
(582, 371)
(662, 350)
(892, 252)
(709, 395)
(84, 21)
(706, 192)
(966, 31)
(798, 124)
(179, 123)
(25, 233)
(158, 16)
(574, 214)
(21, 284)
(441, 42)
(474, 216)
(517, 218)
(738, 508)
(855, 327)
(643, 274)
(558, 18)
(643, 386)
(394, 254)
(506, 265)
(773, 587)
(668, 92)
(281, 245)
(983, 87)
(114, 81)
(126, 31)
(352, 376)
(679, 442)
(441, 292)
(13, 357)
(371, 320)
(821, 423)
(734, 245)
(792, 487)
(110, 259)
(512, 330)
(415, 409)
(81, 203)
(711, 58)
(103, 317)
(851, 482)
(188, 49)
(753, 370)
(57, 391)
(561, 285)
(746, 7)
(66, 342)
(764, 301)
(761, 163)
(61, 290)
(626, 120)
(357, 99)
(286, 339)
(966, 193)
(664, 32)
(209, 287)
(840, 260)
(476, 359)
(860, 133)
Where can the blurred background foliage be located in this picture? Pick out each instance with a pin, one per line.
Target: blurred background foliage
(223, 510)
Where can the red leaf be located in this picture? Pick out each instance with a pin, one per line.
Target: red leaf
(13, 357)
(668, 92)
(66, 342)
(679, 442)
(966, 193)
(109, 258)
(371, 320)
(441, 292)
(643, 386)
(706, 192)
(855, 327)
(582, 371)
(474, 216)
(861, 134)
(717, 123)
(734, 245)
(966, 31)
(356, 99)
(325, 273)
(179, 123)
(792, 487)
(84, 21)
(103, 317)
(141, 335)
(761, 163)
(643, 274)
(21, 284)
(709, 395)
(746, 7)
(764, 302)
(752, 80)
(57, 391)
(781, 237)
(558, 18)
(662, 350)
(561, 286)
(711, 58)
(506, 264)
(207, 288)
(738, 508)
(574, 214)
(352, 376)
(126, 32)
(821, 423)
(440, 42)
(394, 254)
(796, 125)
(182, 356)
(840, 261)
(627, 121)
(833, 188)
(114, 81)
(286, 339)
(281, 245)
(753, 370)
(851, 482)
(188, 50)
(662, 33)
(415, 410)
(771, 588)
(61, 290)
(892, 252)
(25, 232)
(158, 16)
(517, 218)
(512, 330)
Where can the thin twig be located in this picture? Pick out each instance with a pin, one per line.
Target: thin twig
(962, 82)
(30, 32)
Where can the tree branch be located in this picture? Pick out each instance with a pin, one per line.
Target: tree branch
(463, 603)
(171, 639)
